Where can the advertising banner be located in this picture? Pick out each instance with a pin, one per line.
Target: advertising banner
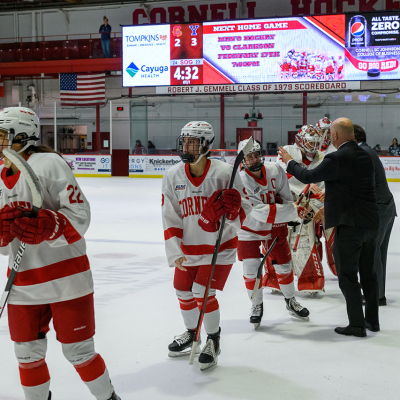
(373, 46)
(151, 165)
(89, 164)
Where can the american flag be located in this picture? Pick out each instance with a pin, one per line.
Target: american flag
(82, 89)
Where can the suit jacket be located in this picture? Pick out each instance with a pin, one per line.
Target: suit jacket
(349, 177)
(384, 197)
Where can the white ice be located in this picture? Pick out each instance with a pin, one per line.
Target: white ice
(137, 316)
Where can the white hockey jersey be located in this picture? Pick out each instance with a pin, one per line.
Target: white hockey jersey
(57, 270)
(262, 194)
(183, 198)
(295, 185)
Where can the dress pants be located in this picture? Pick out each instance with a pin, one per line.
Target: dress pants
(386, 216)
(354, 252)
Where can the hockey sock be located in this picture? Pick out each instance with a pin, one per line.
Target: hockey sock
(211, 315)
(250, 268)
(95, 375)
(284, 274)
(90, 367)
(35, 379)
(189, 310)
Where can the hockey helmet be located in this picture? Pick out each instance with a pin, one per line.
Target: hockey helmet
(323, 127)
(253, 159)
(308, 139)
(21, 125)
(195, 129)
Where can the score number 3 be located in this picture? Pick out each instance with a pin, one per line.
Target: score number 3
(72, 195)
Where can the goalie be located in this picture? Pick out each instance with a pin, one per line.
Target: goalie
(306, 260)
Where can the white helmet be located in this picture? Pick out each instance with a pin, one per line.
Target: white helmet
(308, 139)
(198, 129)
(255, 149)
(22, 122)
(323, 127)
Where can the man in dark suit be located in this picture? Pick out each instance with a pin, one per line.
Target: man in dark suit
(350, 206)
(387, 212)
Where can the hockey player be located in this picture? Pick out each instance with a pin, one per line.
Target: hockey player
(267, 186)
(294, 68)
(194, 198)
(340, 67)
(329, 69)
(284, 69)
(318, 68)
(54, 280)
(307, 259)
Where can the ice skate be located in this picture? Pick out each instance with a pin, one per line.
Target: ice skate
(256, 314)
(182, 344)
(209, 355)
(114, 397)
(296, 310)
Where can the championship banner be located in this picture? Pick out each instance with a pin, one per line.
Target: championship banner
(258, 88)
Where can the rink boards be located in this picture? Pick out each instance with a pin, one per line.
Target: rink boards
(155, 166)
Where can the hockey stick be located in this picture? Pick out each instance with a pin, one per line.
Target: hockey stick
(37, 200)
(302, 223)
(238, 160)
(259, 272)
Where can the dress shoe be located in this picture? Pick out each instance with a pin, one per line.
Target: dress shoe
(351, 331)
(382, 301)
(372, 327)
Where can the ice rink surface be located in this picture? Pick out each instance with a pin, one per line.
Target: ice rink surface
(137, 316)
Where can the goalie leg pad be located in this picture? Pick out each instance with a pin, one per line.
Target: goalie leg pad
(306, 261)
(33, 371)
(329, 235)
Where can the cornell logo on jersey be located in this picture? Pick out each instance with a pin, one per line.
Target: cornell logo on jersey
(181, 186)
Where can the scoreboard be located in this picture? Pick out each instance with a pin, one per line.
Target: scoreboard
(284, 50)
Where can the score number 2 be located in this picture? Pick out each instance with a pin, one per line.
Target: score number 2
(72, 195)
(187, 73)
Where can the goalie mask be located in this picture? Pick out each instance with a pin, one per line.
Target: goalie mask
(323, 126)
(191, 150)
(18, 125)
(308, 140)
(254, 159)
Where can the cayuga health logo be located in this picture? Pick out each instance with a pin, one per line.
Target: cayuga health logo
(132, 69)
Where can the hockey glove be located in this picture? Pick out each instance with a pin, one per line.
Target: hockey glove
(213, 210)
(49, 225)
(280, 231)
(7, 216)
(232, 202)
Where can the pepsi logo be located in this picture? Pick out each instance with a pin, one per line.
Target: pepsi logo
(357, 29)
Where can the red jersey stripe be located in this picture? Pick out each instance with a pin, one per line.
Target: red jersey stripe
(70, 233)
(171, 232)
(261, 233)
(201, 249)
(272, 214)
(51, 272)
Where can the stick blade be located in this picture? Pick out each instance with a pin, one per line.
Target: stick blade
(29, 175)
(249, 146)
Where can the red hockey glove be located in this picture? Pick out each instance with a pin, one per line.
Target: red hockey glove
(213, 210)
(232, 202)
(7, 216)
(49, 225)
(280, 231)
